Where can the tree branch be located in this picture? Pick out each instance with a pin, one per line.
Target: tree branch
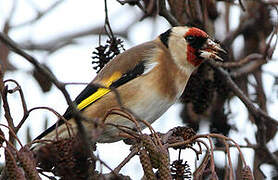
(163, 11)
(256, 112)
(61, 86)
(61, 41)
(40, 14)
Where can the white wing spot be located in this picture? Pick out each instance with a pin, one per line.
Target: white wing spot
(149, 67)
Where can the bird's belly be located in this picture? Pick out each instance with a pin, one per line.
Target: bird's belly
(152, 110)
(147, 108)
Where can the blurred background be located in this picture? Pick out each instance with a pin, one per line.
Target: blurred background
(63, 34)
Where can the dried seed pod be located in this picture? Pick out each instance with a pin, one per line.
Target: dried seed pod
(66, 158)
(100, 54)
(146, 164)
(182, 134)
(43, 81)
(151, 148)
(65, 163)
(246, 173)
(105, 53)
(12, 170)
(110, 176)
(161, 158)
(180, 170)
(200, 89)
(164, 168)
(155, 159)
(148, 143)
(46, 157)
(28, 163)
(185, 132)
(1, 139)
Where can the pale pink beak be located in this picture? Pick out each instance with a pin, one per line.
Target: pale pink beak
(210, 50)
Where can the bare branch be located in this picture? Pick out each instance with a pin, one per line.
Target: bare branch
(126, 160)
(244, 24)
(248, 68)
(1, 78)
(256, 112)
(40, 14)
(12, 12)
(23, 102)
(241, 62)
(64, 40)
(163, 11)
(76, 115)
(7, 114)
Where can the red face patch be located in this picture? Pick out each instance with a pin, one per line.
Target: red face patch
(196, 32)
(191, 52)
(191, 57)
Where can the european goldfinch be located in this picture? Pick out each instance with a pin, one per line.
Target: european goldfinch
(149, 78)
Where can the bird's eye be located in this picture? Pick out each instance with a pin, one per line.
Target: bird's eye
(190, 39)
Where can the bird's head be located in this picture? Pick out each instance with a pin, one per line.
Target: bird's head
(190, 46)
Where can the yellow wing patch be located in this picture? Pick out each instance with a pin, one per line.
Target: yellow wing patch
(101, 91)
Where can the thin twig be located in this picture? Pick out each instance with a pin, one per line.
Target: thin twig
(7, 114)
(241, 62)
(59, 116)
(23, 102)
(248, 68)
(122, 113)
(257, 112)
(75, 113)
(40, 14)
(133, 152)
(107, 23)
(11, 14)
(212, 165)
(197, 174)
(232, 35)
(61, 86)
(231, 171)
(163, 11)
(67, 38)
(241, 5)
(12, 133)
(1, 79)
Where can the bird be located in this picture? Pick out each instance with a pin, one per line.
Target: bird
(148, 78)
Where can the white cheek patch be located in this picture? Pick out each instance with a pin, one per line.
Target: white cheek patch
(149, 66)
